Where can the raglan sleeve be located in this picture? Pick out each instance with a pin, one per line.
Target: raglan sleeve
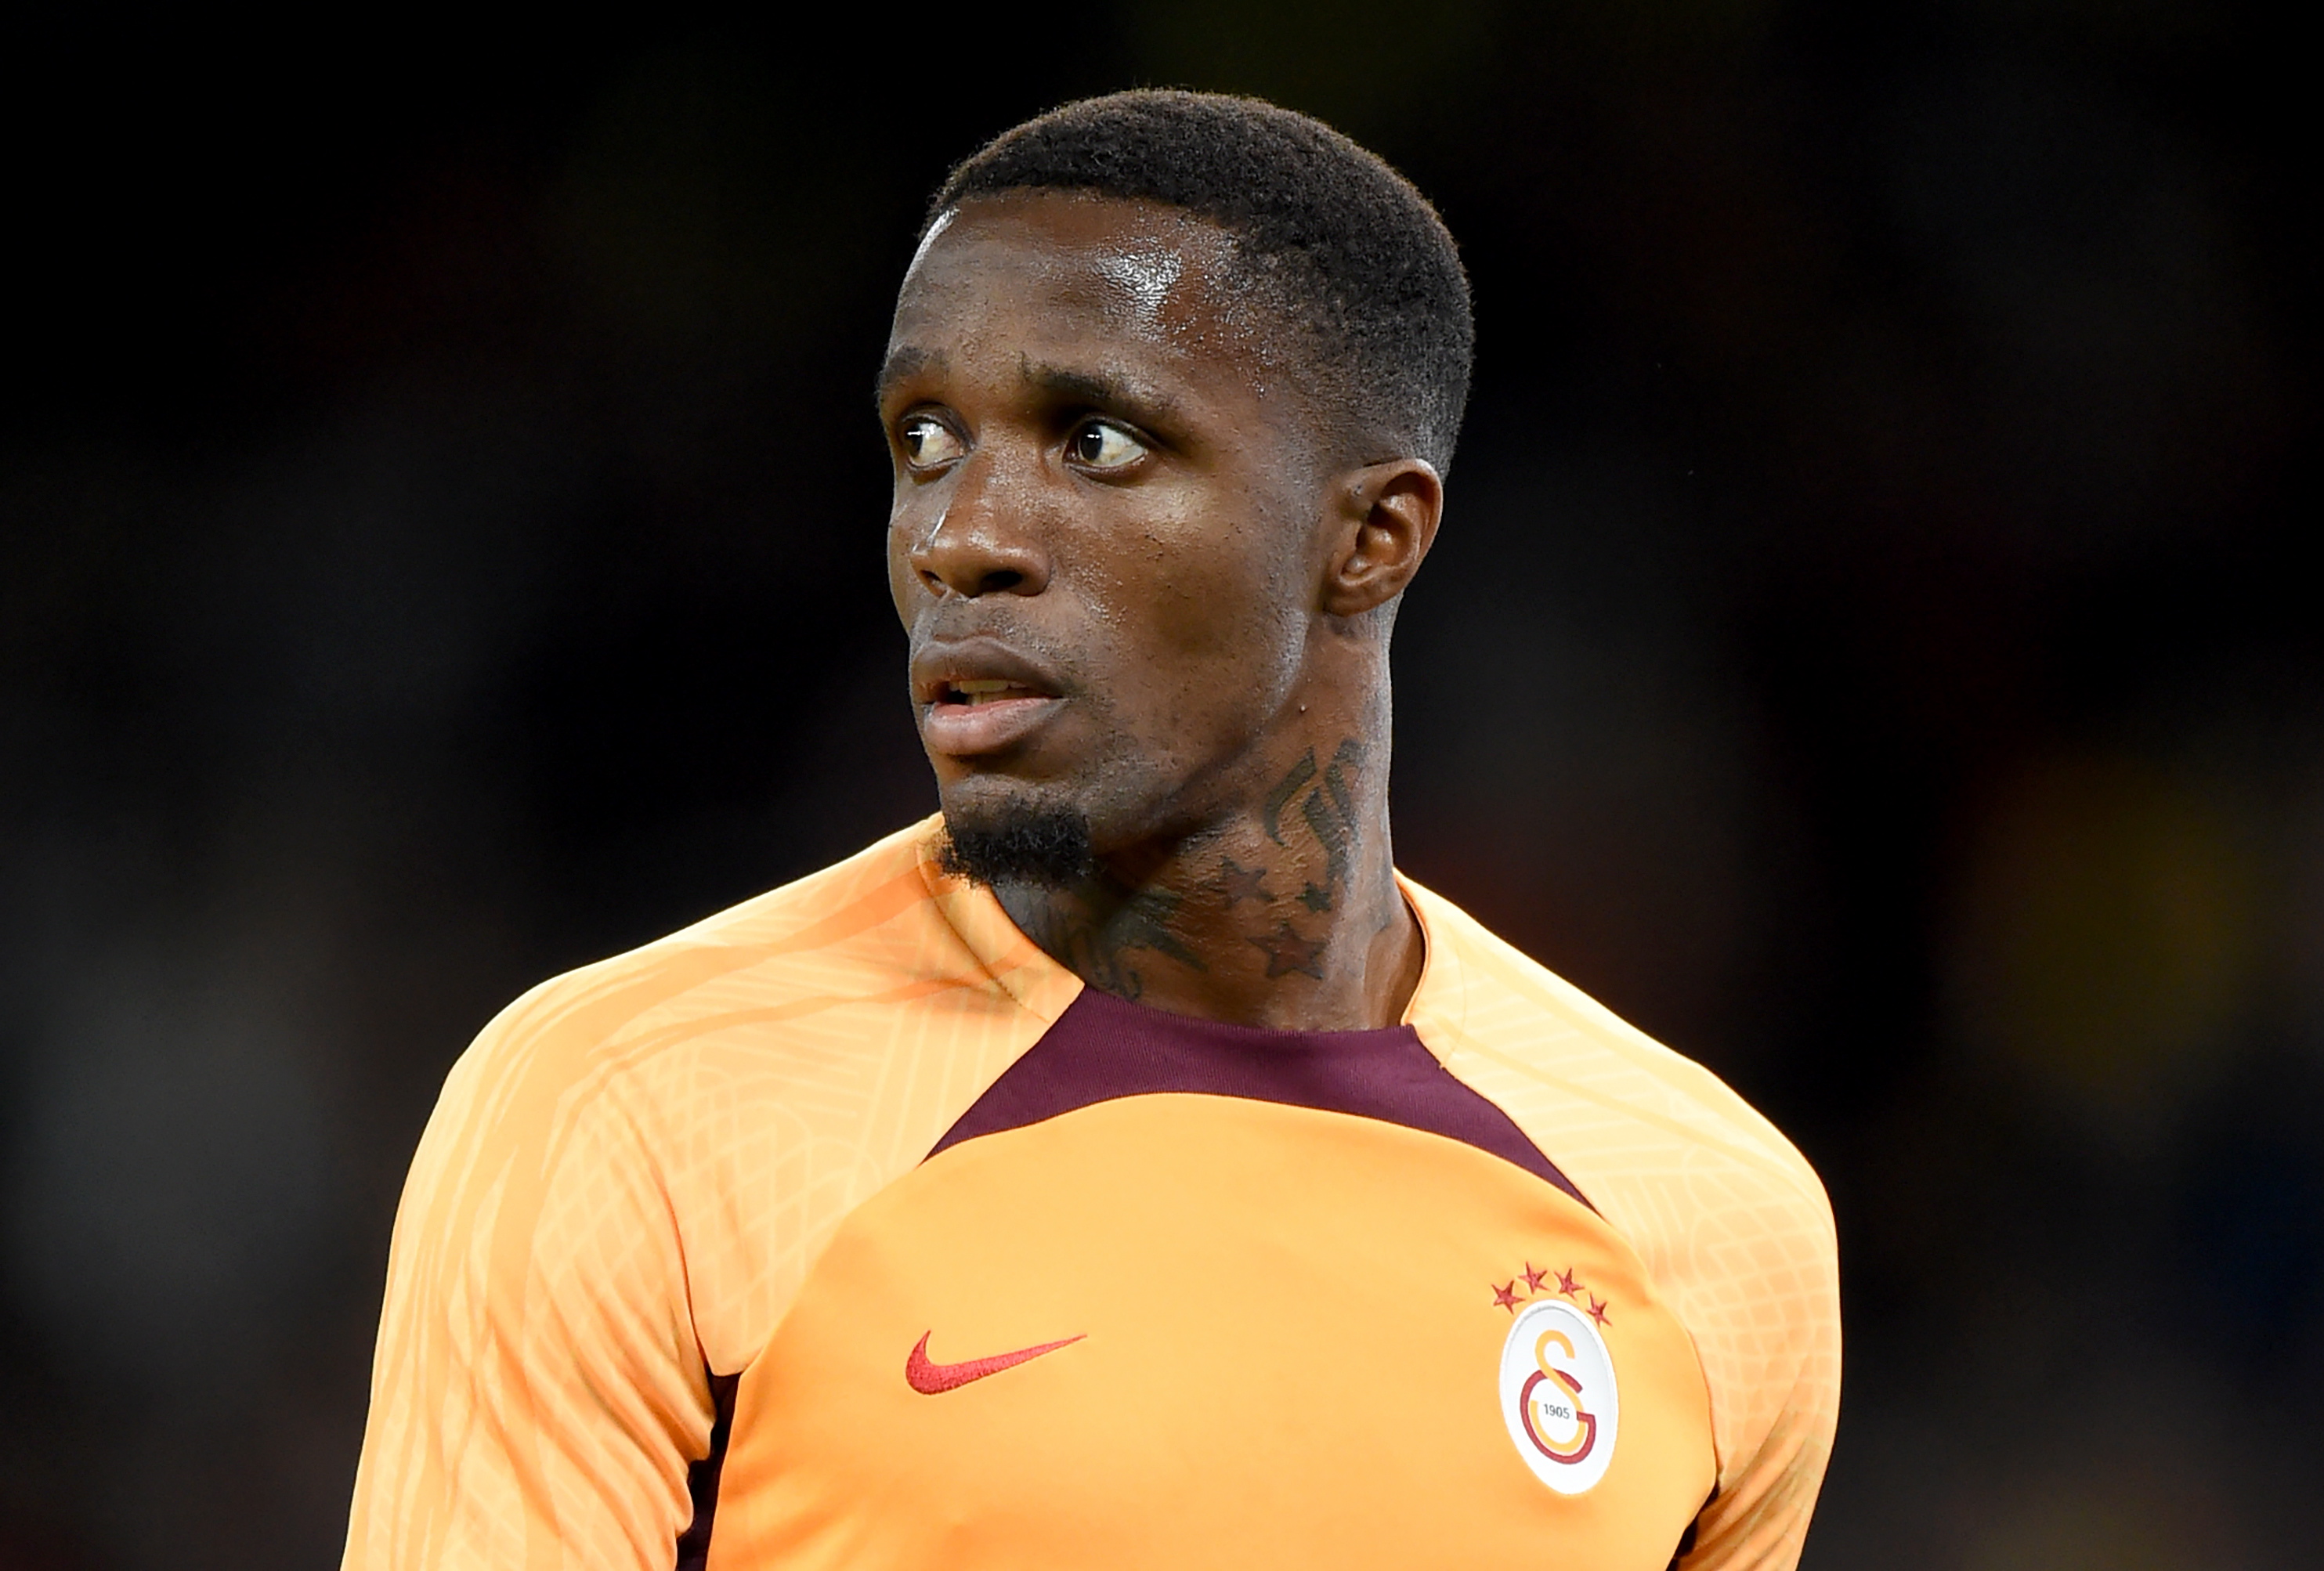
(1775, 1390)
(538, 1392)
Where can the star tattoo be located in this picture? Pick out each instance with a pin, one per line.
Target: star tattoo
(1286, 951)
(1239, 883)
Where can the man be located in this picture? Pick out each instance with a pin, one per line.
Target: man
(1128, 1167)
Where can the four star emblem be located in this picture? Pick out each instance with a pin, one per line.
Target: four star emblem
(1569, 1284)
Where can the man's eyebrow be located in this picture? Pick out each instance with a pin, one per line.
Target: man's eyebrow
(1098, 388)
(908, 360)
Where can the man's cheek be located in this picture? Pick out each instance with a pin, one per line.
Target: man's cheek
(1180, 621)
(1216, 608)
(899, 581)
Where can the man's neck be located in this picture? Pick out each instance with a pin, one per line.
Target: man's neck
(1286, 915)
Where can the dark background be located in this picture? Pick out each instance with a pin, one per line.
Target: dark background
(440, 531)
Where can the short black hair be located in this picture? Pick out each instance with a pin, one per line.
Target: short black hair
(1342, 246)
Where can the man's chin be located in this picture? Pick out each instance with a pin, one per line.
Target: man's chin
(1019, 842)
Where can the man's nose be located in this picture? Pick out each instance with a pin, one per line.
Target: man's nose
(985, 541)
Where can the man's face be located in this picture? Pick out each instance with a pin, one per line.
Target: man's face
(1104, 539)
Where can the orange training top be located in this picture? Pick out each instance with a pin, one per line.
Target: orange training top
(845, 1229)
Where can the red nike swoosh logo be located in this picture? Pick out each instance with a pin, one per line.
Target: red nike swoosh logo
(928, 1377)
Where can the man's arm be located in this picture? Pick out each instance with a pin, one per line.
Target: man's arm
(537, 1392)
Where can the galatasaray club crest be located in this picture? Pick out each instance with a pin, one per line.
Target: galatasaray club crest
(1557, 1394)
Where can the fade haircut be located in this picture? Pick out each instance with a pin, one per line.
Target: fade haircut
(1340, 246)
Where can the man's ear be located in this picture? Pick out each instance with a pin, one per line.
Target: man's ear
(1385, 520)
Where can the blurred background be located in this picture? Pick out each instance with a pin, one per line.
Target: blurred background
(1865, 648)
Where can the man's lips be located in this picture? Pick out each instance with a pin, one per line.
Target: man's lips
(986, 725)
(980, 697)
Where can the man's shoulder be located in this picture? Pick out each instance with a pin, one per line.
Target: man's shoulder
(1596, 1091)
(1725, 1214)
(870, 930)
(745, 1080)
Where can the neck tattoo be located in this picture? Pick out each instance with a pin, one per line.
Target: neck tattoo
(1277, 893)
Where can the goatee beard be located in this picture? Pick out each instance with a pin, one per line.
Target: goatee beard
(1047, 847)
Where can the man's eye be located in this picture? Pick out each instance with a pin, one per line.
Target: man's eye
(1102, 444)
(928, 442)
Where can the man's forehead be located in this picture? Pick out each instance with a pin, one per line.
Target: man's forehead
(1076, 218)
(1139, 259)
(1049, 278)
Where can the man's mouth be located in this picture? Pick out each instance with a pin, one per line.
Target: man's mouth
(978, 690)
(980, 697)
